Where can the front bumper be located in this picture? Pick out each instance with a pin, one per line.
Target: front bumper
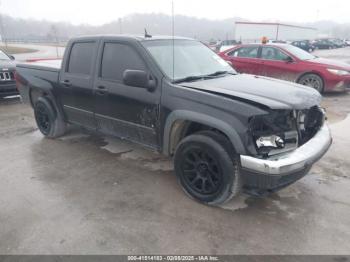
(8, 89)
(282, 170)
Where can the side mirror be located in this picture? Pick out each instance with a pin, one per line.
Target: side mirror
(12, 57)
(289, 60)
(138, 78)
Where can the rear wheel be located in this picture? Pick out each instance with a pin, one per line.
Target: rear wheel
(48, 119)
(206, 168)
(312, 80)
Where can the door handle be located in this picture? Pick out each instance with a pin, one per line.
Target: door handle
(101, 90)
(66, 83)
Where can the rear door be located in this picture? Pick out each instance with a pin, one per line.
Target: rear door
(76, 82)
(275, 64)
(125, 111)
(245, 59)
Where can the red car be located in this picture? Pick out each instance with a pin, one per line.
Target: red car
(289, 63)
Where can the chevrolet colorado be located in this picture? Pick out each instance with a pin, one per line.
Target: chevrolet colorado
(226, 132)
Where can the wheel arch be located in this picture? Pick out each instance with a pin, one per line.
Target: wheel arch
(180, 122)
(35, 93)
(311, 73)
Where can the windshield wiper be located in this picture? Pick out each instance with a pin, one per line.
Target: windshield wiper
(188, 79)
(203, 77)
(218, 73)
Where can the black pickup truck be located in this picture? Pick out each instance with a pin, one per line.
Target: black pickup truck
(227, 132)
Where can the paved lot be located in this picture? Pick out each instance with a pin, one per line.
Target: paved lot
(86, 194)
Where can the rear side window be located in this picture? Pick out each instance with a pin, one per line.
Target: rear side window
(117, 58)
(81, 56)
(247, 52)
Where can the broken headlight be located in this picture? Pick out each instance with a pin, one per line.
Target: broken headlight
(274, 133)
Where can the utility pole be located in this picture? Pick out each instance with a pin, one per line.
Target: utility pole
(55, 35)
(120, 26)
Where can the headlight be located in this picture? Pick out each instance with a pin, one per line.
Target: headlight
(273, 141)
(274, 133)
(338, 72)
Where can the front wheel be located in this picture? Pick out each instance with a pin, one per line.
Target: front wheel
(206, 168)
(312, 80)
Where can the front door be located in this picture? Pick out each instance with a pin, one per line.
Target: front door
(276, 64)
(128, 112)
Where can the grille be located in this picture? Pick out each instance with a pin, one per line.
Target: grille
(7, 76)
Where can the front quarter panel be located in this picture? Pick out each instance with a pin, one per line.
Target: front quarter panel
(223, 113)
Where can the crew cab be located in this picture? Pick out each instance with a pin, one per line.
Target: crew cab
(226, 132)
(7, 75)
(287, 62)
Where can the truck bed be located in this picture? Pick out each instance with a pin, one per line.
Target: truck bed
(42, 74)
(47, 65)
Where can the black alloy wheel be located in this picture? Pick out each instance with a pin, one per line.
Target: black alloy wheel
(207, 169)
(42, 117)
(201, 171)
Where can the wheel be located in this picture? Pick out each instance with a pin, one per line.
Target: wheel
(206, 168)
(312, 80)
(48, 119)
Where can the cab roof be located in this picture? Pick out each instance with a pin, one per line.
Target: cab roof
(132, 37)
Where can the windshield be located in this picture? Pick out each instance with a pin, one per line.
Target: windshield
(192, 58)
(299, 53)
(3, 56)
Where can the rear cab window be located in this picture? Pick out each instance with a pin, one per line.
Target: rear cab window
(81, 58)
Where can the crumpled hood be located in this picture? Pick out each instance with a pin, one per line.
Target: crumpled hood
(273, 93)
(7, 65)
(330, 63)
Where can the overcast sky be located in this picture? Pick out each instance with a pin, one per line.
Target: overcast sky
(104, 11)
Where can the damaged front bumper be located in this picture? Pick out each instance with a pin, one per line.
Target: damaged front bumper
(280, 171)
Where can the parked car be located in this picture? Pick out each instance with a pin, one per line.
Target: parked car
(227, 132)
(338, 43)
(305, 45)
(324, 44)
(290, 63)
(226, 44)
(7, 75)
(277, 42)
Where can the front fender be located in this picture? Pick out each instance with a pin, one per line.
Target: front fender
(216, 123)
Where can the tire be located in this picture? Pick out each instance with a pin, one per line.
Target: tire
(48, 119)
(312, 80)
(207, 169)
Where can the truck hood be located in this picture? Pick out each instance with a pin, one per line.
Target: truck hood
(272, 93)
(7, 65)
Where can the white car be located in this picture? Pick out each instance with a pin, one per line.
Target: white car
(227, 44)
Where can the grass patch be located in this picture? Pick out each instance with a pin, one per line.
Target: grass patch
(16, 50)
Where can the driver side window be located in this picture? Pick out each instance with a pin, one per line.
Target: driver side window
(272, 53)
